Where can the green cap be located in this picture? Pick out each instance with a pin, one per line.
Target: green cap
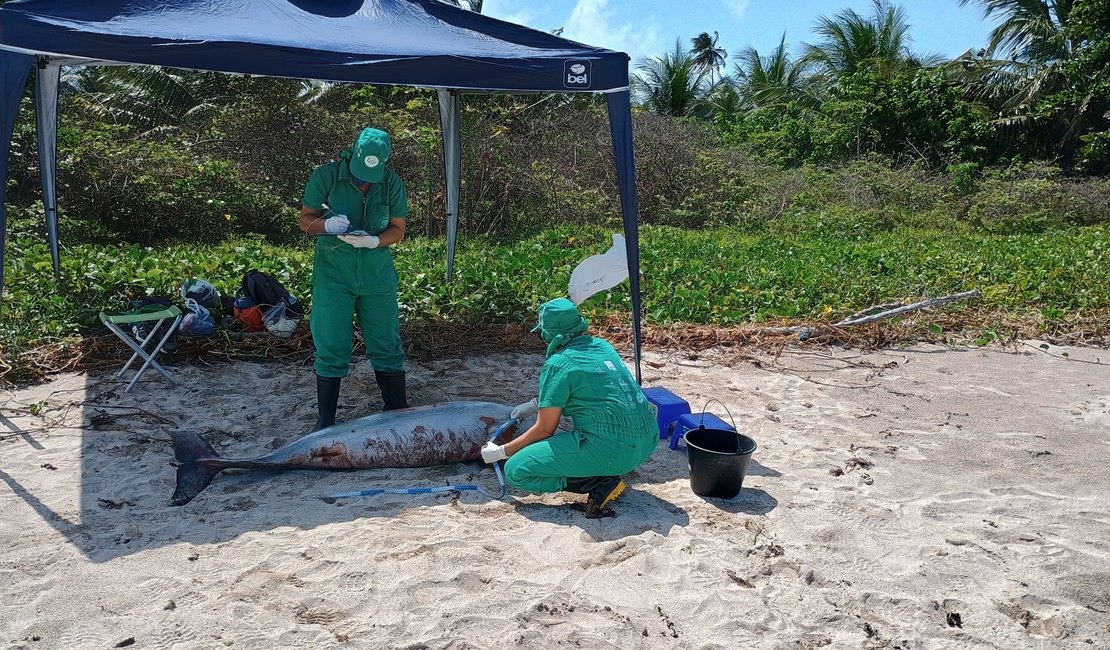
(559, 322)
(368, 155)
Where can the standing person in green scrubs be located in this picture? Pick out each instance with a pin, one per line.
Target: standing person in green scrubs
(357, 207)
(614, 428)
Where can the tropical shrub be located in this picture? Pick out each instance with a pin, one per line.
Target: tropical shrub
(156, 189)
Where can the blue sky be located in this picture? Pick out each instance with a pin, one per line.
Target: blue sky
(650, 27)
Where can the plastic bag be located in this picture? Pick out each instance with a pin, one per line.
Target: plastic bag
(277, 321)
(202, 291)
(198, 320)
(599, 272)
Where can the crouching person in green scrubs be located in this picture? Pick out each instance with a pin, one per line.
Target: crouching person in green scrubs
(614, 428)
(354, 273)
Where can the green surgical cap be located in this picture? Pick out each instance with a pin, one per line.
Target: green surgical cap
(559, 323)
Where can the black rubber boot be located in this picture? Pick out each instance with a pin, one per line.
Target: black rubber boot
(392, 385)
(327, 401)
(602, 494)
(601, 491)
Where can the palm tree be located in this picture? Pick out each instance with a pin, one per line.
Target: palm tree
(672, 84)
(82, 79)
(1031, 30)
(706, 53)
(1026, 51)
(1025, 62)
(314, 91)
(852, 42)
(776, 79)
(147, 97)
(726, 101)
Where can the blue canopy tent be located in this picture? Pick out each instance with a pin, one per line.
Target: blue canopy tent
(420, 43)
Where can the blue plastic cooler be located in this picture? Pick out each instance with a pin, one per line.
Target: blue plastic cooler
(693, 421)
(667, 406)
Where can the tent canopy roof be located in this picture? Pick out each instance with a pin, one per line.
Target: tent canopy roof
(423, 43)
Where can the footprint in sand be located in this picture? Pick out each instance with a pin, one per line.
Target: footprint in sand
(317, 611)
(1040, 617)
(241, 504)
(170, 590)
(177, 637)
(1092, 411)
(355, 581)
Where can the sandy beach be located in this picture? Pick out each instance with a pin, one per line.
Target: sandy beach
(921, 497)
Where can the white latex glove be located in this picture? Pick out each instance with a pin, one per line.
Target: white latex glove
(493, 452)
(338, 223)
(361, 241)
(531, 407)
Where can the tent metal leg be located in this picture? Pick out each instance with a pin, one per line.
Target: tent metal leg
(449, 118)
(46, 106)
(620, 125)
(14, 70)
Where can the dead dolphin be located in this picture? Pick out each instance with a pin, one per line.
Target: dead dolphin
(422, 436)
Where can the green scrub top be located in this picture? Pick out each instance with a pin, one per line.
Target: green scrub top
(588, 380)
(333, 184)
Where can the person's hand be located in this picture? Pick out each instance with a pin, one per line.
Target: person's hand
(493, 452)
(361, 241)
(529, 408)
(338, 223)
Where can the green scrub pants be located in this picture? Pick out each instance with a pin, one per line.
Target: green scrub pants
(337, 293)
(545, 466)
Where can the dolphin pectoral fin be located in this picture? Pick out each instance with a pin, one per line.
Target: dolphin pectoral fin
(193, 474)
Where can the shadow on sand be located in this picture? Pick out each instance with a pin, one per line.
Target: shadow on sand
(637, 512)
(120, 503)
(109, 527)
(750, 501)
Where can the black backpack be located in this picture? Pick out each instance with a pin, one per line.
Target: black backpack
(265, 291)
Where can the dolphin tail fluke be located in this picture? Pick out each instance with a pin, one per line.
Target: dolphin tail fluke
(193, 473)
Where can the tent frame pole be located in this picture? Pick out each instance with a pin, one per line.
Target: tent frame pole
(47, 77)
(450, 122)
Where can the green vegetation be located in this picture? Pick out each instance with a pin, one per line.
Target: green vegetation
(809, 265)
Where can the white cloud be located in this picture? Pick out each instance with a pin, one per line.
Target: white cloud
(592, 22)
(738, 7)
(510, 11)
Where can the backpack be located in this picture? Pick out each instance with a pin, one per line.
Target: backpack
(247, 315)
(260, 293)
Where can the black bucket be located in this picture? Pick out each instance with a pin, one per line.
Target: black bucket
(718, 461)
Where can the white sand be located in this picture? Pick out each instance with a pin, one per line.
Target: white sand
(975, 484)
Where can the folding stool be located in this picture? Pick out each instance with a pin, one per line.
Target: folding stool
(114, 321)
